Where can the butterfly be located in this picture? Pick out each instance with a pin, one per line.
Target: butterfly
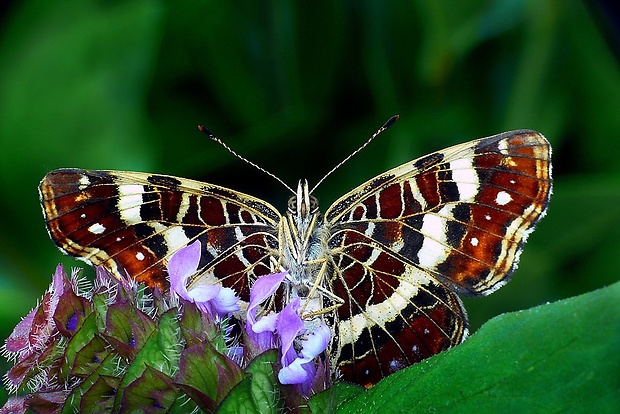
(384, 265)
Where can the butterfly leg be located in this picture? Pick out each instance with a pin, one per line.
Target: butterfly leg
(321, 291)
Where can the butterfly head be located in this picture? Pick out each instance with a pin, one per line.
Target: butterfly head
(303, 205)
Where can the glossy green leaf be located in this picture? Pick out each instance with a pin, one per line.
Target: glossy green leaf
(334, 397)
(197, 327)
(97, 396)
(552, 358)
(82, 339)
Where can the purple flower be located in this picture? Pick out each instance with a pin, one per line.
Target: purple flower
(285, 328)
(261, 290)
(213, 299)
(299, 368)
(260, 334)
(33, 332)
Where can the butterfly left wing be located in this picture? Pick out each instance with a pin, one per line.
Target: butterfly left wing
(131, 223)
(404, 243)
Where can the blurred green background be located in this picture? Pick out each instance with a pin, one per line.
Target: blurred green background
(296, 87)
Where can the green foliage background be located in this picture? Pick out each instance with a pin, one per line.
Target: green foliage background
(297, 86)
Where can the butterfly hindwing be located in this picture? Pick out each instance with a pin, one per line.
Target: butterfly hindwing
(393, 314)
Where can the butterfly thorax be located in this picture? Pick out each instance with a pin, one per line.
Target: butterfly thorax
(304, 241)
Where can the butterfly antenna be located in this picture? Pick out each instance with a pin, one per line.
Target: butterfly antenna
(223, 144)
(385, 126)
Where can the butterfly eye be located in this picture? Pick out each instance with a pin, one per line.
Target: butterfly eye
(292, 205)
(314, 204)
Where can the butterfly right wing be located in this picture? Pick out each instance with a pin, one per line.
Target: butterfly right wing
(404, 243)
(131, 223)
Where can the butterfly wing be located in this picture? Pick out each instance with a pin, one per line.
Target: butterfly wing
(404, 243)
(131, 223)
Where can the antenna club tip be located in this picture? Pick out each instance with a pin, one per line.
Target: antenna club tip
(391, 121)
(205, 131)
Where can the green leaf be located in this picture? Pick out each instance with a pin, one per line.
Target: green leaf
(197, 328)
(101, 302)
(259, 393)
(90, 356)
(96, 391)
(161, 352)
(152, 391)
(99, 397)
(127, 328)
(71, 312)
(551, 358)
(82, 338)
(206, 375)
(335, 396)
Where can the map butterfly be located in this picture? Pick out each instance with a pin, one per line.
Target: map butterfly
(383, 266)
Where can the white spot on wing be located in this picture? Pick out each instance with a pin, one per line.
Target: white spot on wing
(502, 198)
(474, 241)
(140, 256)
(96, 228)
(84, 183)
(184, 207)
(465, 177)
(503, 146)
(370, 229)
(129, 202)
(174, 236)
(434, 249)
(373, 256)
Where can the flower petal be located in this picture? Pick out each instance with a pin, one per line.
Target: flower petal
(225, 302)
(288, 325)
(316, 342)
(266, 323)
(203, 293)
(264, 287)
(293, 373)
(181, 266)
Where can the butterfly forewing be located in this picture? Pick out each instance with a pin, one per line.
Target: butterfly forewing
(131, 223)
(452, 221)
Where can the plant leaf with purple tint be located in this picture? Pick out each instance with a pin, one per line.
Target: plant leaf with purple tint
(161, 351)
(90, 356)
(259, 392)
(80, 340)
(152, 392)
(71, 312)
(99, 397)
(127, 328)
(207, 375)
